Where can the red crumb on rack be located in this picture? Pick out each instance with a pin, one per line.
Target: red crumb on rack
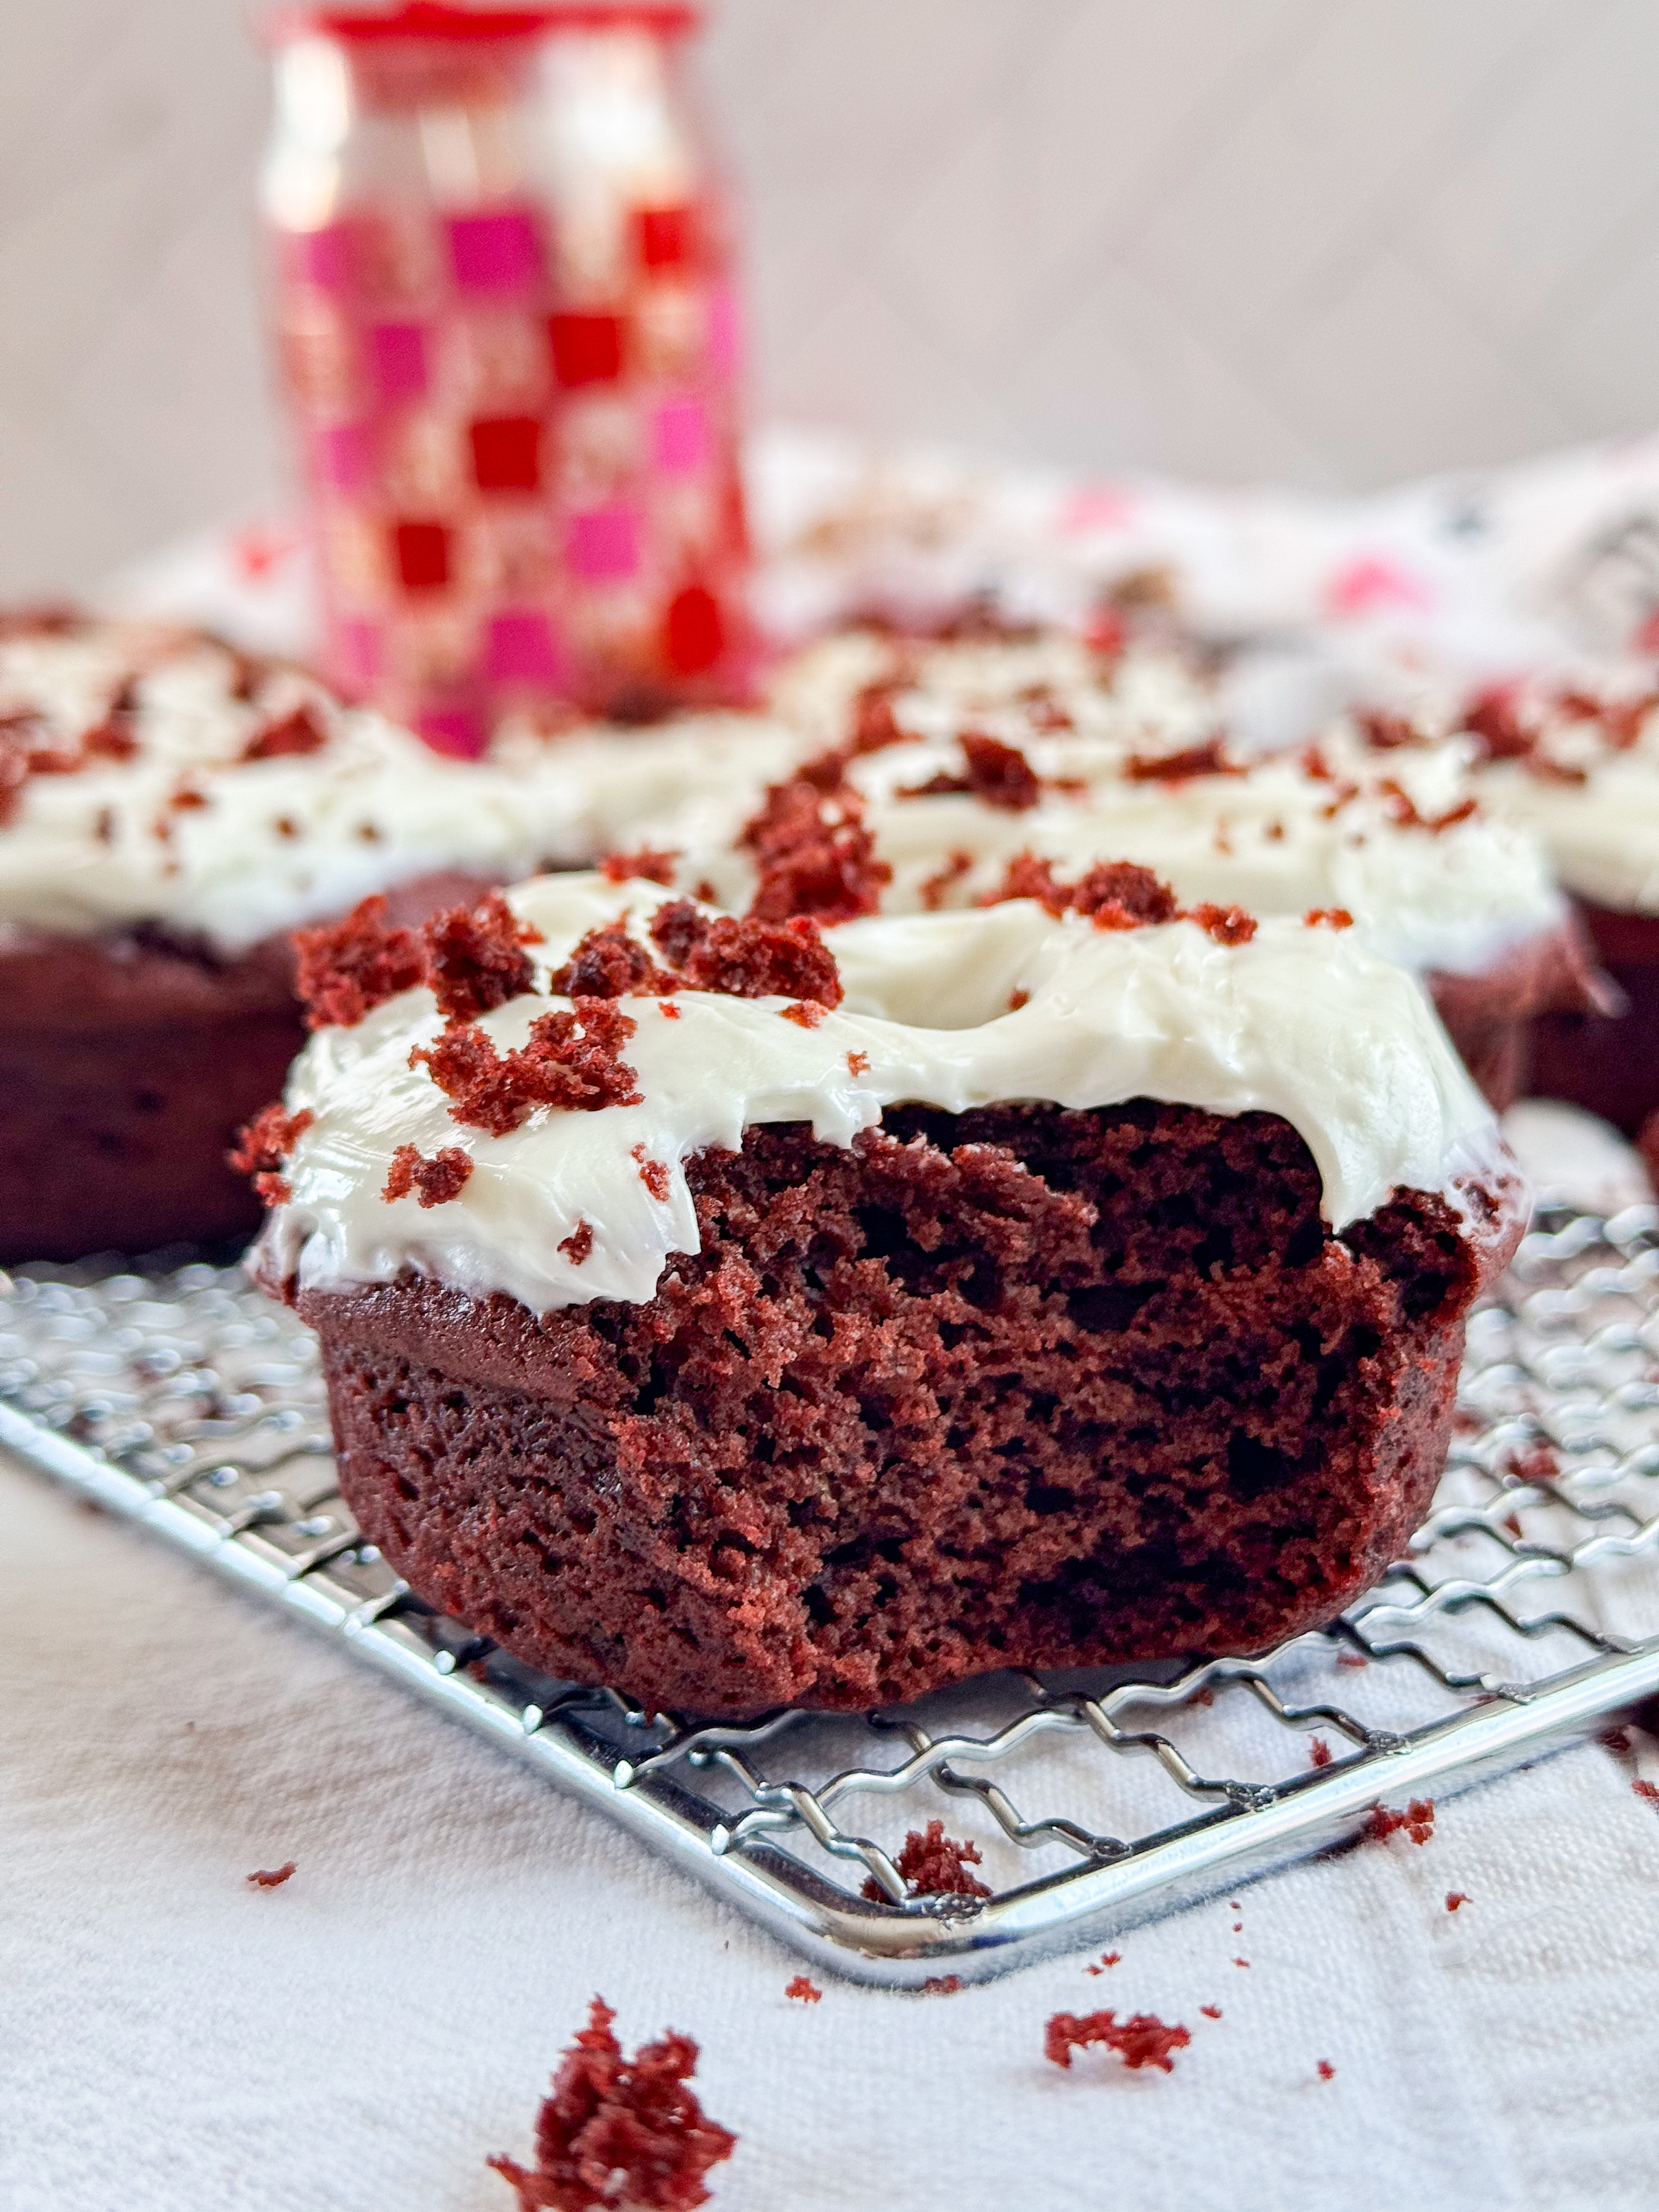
(932, 1864)
(858, 1063)
(1327, 2071)
(1648, 1790)
(620, 2131)
(262, 1148)
(747, 959)
(475, 957)
(1329, 917)
(580, 1243)
(1241, 1962)
(1352, 1659)
(1141, 2040)
(941, 1985)
(1454, 1898)
(298, 732)
(434, 1181)
(570, 1060)
(1319, 1752)
(273, 1877)
(1210, 2012)
(643, 866)
(1417, 1821)
(1208, 759)
(807, 1992)
(345, 970)
(609, 963)
(1107, 1959)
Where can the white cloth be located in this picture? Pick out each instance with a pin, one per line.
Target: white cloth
(365, 2035)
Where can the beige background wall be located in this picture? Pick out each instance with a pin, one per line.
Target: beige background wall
(1331, 240)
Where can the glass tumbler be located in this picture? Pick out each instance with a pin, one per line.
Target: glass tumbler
(503, 293)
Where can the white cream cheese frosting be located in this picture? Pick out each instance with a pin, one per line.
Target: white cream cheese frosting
(1302, 1022)
(1588, 791)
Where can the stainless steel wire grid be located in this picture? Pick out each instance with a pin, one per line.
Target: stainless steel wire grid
(1527, 1610)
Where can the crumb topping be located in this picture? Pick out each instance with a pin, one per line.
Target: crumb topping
(475, 957)
(273, 1877)
(653, 1174)
(647, 866)
(804, 1991)
(1329, 917)
(1210, 758)
(813, 854)
(434, 1181)
(570, 1060)
(747, 958)
(1143, 2039)
(263, 1146)
(346, 968)
(609, 963)
(995, 774)
(301, 732)
(616, 2131)
(577, 1246)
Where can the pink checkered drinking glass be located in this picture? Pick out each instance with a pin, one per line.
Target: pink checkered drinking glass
(504, 299)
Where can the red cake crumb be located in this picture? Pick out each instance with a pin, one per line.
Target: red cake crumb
(653, 1174)
(1141, 2040)
(934, 1865)
(933, 889)
(941, 1985)
(1241, 1962)
(668, 1010)
(1208, 759)
(998, 775)
(579, 1243)
(1329, 917)
(858, 1063)
(1107, 1959)
(273, 1877)
(1228, 925)
(1384, 733)
(747, 959)
(434, 1182)
(1647, 1789)
(875, 726)
(1210, 2012)
(812, 853)
(570, 1060)
(347, 969)
(1454, 1898)
(617, 2132)
(609, 963)
(1493, 716)
(1016, 998)
(805, 1014)
(1327, 2071)
(298, 732)
(807, 1991)
(644, 866)
(1320, 1752)
(476, 959)
(1115, 894)
(263, 1146)
(1352, 1659)
(1402, 809)
(1417, 1821)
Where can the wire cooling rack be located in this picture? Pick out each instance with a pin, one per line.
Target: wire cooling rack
(1526, 1609)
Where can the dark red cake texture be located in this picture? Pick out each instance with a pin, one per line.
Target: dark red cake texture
(620, 2134)
(128, 1062)
(1019, 1387)
(1609, 1067)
